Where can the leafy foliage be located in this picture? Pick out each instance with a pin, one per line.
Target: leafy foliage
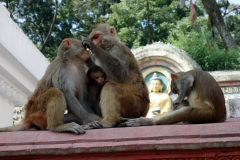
(138, 22)
(130, 19)
(197, 41)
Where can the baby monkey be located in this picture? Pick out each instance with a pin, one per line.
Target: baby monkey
(95, 80)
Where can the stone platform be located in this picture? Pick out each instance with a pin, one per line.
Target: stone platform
(180, 141)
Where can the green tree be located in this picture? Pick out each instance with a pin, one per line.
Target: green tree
(216, 17)
(140, 22)
(197, 41)
(36, 19)
(231, 15)
(90, 12)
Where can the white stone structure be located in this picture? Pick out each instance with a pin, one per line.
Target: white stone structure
(21, 66)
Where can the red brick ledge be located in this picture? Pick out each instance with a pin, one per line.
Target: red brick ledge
(199, 140)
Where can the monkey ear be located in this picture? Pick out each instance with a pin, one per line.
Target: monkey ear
(174, 76)
(189, 80)
(112, 31)
(66, 43)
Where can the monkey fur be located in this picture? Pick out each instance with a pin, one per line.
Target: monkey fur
(125, 93)
(62, 87)
(200, 100)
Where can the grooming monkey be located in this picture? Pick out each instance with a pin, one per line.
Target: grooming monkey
(126, 94)
(62, 87)
(205, 101)
(95, 79)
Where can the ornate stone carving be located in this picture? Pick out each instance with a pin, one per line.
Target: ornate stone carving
(18, 114)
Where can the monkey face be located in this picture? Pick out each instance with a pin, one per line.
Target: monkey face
(98, 77)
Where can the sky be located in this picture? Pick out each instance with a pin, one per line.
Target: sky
(234, 1)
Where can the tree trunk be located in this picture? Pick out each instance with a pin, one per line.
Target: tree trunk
(217, 18)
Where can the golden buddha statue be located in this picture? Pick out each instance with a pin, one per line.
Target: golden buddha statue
(160, 103)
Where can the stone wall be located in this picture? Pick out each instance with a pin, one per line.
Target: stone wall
(229, 82)
(21, 66)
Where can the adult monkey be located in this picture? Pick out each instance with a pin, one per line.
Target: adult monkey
(205, 101)
(126, 94)
(62, 87)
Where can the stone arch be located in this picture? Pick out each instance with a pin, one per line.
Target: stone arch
(164, 55)
(164, 59)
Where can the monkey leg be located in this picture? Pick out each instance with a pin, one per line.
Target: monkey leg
(110, 105)
(185, 114)
(56, 106)
(188, 115)
(119, 100)
(92, 125)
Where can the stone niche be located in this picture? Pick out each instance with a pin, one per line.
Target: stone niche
(165, 59)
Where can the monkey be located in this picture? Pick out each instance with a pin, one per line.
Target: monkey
(125, 93)
(200, 100)
(62, 87)
(95, 80)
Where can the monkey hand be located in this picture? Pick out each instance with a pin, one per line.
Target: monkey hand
(92, 125)
(122, 122)
(88, 43)
(70, 127)
(142, 121)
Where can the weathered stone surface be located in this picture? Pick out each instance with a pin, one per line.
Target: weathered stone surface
(234, 107)
(226, 76)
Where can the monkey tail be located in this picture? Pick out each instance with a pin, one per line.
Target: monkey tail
(19, 127)
(187, 115)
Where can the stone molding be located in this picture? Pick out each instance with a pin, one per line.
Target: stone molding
(226, 76)
(11, 95)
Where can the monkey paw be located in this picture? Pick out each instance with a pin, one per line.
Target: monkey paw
(69, 127)
(92, 125)
(88, 43)
(142, 121)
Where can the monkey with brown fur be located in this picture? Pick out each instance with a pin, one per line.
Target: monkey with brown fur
(95, 79)
(62, 87)
(205, 101)
(126, 94)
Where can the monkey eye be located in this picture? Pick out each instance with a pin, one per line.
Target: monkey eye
(95, 37)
